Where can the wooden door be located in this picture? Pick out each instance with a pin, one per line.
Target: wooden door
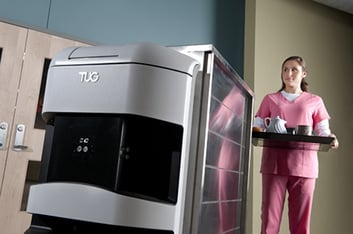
(12, 46)
(39, 48)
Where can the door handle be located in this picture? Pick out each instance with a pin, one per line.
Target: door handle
(19, 138)
(3, 134)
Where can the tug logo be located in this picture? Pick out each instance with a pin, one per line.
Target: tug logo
(89, 77)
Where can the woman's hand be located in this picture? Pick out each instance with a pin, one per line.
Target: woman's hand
(334, 143)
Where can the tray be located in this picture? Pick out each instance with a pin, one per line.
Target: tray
(291, 141)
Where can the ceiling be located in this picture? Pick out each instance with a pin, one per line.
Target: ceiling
(342, 5)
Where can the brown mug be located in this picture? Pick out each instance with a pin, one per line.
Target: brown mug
(303, 130)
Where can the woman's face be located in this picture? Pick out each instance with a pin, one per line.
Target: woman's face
(292, 74)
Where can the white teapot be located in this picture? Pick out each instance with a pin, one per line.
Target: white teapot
(276, 125)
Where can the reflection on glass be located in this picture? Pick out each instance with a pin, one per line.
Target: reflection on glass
(222, 174)
(231, 123)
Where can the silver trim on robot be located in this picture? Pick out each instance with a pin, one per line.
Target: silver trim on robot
(139, 80)
(93, 204)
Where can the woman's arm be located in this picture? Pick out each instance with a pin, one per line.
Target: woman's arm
(323, 129)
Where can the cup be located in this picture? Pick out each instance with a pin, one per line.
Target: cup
(303, 130)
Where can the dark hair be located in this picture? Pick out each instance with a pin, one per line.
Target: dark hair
(303, 85)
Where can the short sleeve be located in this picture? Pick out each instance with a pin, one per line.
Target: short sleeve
(264, 110)
(321, 112)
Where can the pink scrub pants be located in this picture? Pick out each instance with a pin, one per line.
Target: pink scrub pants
(300, 198)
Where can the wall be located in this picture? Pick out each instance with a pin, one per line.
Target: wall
(165, 22)
(323, 36)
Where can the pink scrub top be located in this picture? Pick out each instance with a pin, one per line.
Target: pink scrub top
(307, 109)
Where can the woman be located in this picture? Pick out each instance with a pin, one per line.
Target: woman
(292, 170)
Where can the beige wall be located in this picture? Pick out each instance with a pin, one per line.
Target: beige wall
(323, 36)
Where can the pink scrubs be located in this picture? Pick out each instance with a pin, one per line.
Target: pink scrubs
(291, 170)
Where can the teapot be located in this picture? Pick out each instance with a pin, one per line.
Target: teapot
(275, 125)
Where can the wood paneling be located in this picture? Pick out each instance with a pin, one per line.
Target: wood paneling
(24, 55)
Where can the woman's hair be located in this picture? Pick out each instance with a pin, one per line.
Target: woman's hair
(303, 85)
